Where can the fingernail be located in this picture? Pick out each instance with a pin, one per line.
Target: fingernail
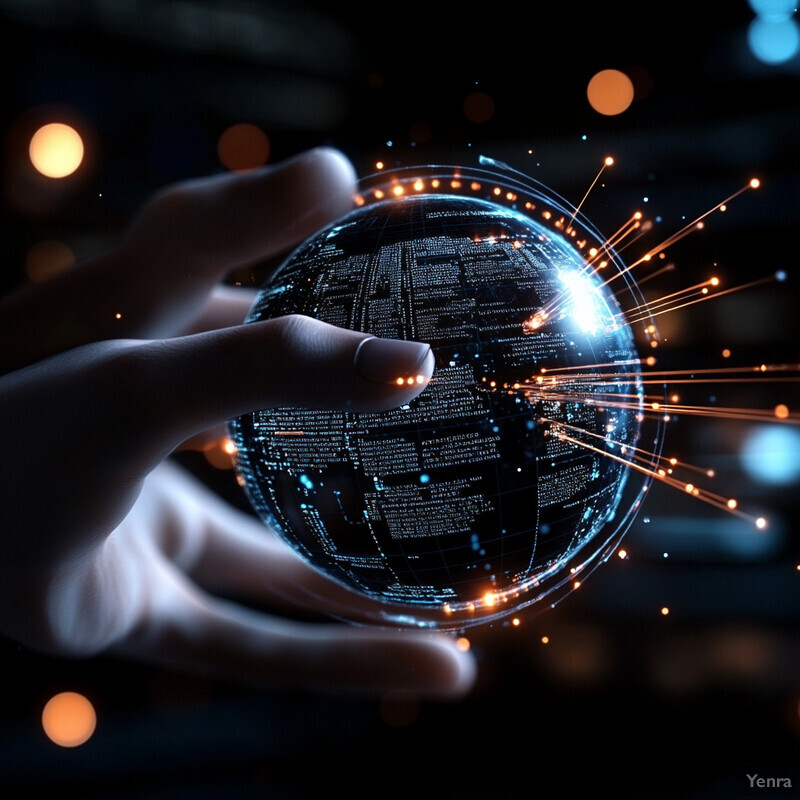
(394, 361)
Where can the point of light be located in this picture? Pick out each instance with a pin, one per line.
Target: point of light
(515, 622)
(761, 523)
(69, 719)
(56, 150)
(462, 643)
(781, 411)
(664, 611)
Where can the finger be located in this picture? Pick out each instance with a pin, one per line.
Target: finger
(189, 629)
(171, 389)
(232, 554)
(224, 307)
(184, 241)
(226, 221)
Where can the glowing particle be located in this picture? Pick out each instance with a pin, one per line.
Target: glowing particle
(623, 554)
(726, 353)
(424, 478)
(545, 640)
(69, 719)
(489, 599)
(576, 585)
(761, 523)
(418, 186)
(379, 165)
(117, 315)
(732, 503)
(398, 191)
(400, 381)
(650, 361)
(781, 411)
(56, 150)
(515, 622)
(689, 488)
(462, 643)
(664, 611)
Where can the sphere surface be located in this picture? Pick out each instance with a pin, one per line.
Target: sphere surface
(483, 492)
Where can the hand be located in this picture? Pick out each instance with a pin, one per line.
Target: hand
(108, 368)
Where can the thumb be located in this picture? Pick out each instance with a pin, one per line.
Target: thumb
(183, 385)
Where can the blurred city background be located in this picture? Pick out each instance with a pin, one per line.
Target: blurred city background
(673, 672)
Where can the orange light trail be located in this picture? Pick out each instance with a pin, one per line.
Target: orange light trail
(694, 225)
(711, 498)
(607, 162)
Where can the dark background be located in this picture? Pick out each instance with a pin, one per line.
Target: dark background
(622, 700)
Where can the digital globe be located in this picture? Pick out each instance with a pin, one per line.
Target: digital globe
(516, 470)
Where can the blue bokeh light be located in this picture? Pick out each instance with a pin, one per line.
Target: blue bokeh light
(770, 454)
(774, 41)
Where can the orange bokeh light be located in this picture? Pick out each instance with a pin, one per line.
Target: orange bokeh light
(610, 92)
(69, 719)
(56, 150)
(243, 147)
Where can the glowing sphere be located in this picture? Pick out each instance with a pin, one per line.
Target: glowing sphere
(502, 481)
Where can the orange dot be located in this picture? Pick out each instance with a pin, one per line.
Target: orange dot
(69, 719)
(545, 639)
(782, 411)
(243, 147)
(479, 107)
(664, 611)
(462, 643)
(56, 150)
(610, 92)
(47, 258)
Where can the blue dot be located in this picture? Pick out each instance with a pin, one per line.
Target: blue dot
(424, 478)
(773, 41)
(780, 275)
(771, 454)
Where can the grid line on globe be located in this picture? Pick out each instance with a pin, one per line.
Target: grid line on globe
(510, 476)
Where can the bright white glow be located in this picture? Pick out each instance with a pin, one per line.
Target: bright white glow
(771, 454)
(584, 301)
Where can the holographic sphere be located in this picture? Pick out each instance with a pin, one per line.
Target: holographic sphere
(509, 475)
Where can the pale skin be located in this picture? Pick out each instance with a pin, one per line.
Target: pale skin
(108, 545)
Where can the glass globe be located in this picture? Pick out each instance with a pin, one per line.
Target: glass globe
(510, 475)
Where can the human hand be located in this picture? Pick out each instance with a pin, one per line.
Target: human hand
(107, 546)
